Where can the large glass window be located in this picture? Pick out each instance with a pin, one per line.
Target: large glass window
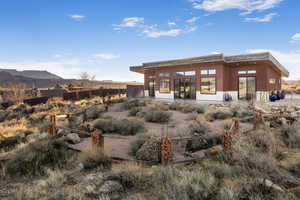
(208, 85)
(164, 86)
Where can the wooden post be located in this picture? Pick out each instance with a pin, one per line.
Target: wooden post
(166, 150)
(258, 120)
(52, 124)
(227, 140)
(236, 127)
(97, 140)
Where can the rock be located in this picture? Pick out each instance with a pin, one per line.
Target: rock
(3, 116)
(148, 151)
(111, 187)
(94, 112)
(62, 132)
(271, 185)
(72, 138)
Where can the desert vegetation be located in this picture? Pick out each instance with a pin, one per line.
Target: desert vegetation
(263, 162)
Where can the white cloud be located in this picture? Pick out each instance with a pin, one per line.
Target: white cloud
(291, 60)
(157, 34)
(57, 56)
(266, 18)
(296, 37)
(192, 20)
(216, 52)
(247, 5)
(132, 22)
(172, 23)
(77, 17)
(106, 56)
(153, 31)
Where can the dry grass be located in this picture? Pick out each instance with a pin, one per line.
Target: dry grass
(96, 158)
(13, 128)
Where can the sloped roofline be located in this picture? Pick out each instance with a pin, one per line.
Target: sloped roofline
(214, 58)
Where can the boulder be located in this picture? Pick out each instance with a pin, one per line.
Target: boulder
(3, 116)
(111, 187)
(148, 151)
(62, 132)
(72, 138)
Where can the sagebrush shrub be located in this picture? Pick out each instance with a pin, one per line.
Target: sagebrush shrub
(36, 156)
(95, 158)
(157, 116)
(123, 127)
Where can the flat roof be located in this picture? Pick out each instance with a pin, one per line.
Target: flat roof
(214, 58)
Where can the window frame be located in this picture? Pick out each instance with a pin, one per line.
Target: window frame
(215, 85)
(160, 84)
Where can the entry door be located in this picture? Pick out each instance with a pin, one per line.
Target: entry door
(247, 88)
(152, 88)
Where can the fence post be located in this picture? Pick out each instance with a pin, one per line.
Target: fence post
(166, 150)
(236, 125)
(227, 140)
(52, 126)
(97, 140)
(258, 120)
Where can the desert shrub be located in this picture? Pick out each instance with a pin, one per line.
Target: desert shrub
(186, 184)
(218, 113)
(188, 108)
(240, 110)
(95, 158)
(36, 156)
(131, 103)
(291, 135)
(157, 116)
(123, 127)
(134, 111)
(159, 106)
(199, 126)
(255, 189)
(192, 116)
(227, 124)
(175, 106)
(137, 144)
(200, 109)
(132, 176)
(50, 188)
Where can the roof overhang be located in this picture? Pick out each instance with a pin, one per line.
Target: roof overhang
(213, 59)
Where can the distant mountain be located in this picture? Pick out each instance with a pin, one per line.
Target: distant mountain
(34, 74)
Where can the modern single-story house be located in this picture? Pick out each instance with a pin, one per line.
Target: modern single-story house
(213, 78)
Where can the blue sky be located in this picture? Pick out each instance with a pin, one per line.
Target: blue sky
(104, 37)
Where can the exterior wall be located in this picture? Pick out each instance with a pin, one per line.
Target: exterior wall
(226, 79)
(164, 95)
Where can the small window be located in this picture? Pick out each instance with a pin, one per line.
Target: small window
(180, 73)
(164, 86)
(164, 74)
(248, 72)
(208, 72)
(204, 72)
(272, 81)
(208, 85)
(212, 72)
(251, 72)
(190, 73)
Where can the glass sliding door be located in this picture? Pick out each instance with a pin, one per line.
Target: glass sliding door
(247, 88)
(184, 88)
